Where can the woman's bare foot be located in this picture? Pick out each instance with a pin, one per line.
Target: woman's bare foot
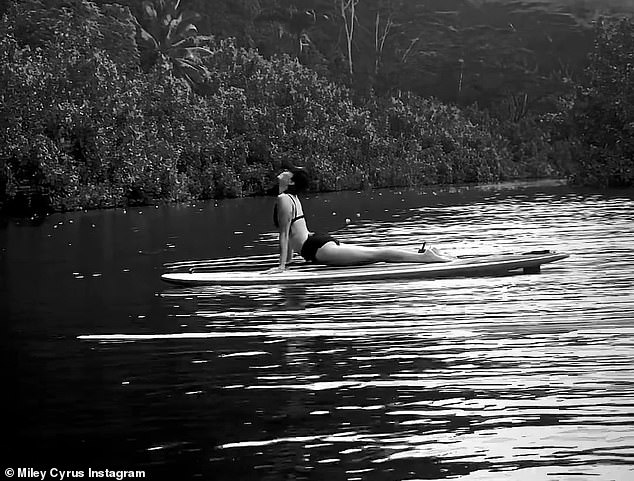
(434, 255)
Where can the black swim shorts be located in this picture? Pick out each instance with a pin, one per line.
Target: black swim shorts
(313, 243)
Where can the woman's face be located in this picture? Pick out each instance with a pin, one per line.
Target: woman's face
(285, 179)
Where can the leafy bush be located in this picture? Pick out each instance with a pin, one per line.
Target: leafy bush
(604, 112)
(83, 126)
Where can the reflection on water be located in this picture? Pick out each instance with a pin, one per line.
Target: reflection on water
(517, 377)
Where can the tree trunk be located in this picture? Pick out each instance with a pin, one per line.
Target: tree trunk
(348, 13)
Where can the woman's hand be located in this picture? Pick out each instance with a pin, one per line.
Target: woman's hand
(274, 270)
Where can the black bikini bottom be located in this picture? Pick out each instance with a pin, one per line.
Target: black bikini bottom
(313, 243)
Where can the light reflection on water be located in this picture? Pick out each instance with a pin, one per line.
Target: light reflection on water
(516, 377)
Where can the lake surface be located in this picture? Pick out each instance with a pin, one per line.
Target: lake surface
(521, 377)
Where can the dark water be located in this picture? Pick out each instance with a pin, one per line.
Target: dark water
(518, 377)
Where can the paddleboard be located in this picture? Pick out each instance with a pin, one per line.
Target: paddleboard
(316, 274)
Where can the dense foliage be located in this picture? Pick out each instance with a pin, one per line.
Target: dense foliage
(461, 51)
(90, 116)
(604, 114)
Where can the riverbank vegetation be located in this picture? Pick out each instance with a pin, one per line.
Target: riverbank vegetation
(104, 105)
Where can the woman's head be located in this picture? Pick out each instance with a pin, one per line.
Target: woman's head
(294, 180)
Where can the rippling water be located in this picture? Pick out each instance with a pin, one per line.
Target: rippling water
(514, 377)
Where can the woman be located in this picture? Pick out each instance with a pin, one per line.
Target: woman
(323, 248)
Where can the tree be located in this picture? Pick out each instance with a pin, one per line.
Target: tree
(291, 22)
(77, 23)
(169, 33)
(347, 11)
(384, 23)
(605, 110)
(299, 28)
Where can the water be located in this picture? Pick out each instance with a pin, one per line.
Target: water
(519, 377)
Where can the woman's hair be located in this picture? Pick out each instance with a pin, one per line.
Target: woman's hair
(301, 181)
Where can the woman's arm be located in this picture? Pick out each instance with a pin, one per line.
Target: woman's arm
(284, 214)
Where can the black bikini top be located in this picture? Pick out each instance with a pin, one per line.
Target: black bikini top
(295, 217)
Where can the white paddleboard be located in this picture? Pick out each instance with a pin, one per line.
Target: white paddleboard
(317, 274)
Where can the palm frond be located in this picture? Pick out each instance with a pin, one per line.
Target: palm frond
(198, 51)
(149, 10)
(185, 30)
(148, 37)
(173, 34)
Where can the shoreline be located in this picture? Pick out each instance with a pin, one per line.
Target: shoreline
(33, 214)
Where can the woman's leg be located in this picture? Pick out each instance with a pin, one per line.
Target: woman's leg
(350, 254)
